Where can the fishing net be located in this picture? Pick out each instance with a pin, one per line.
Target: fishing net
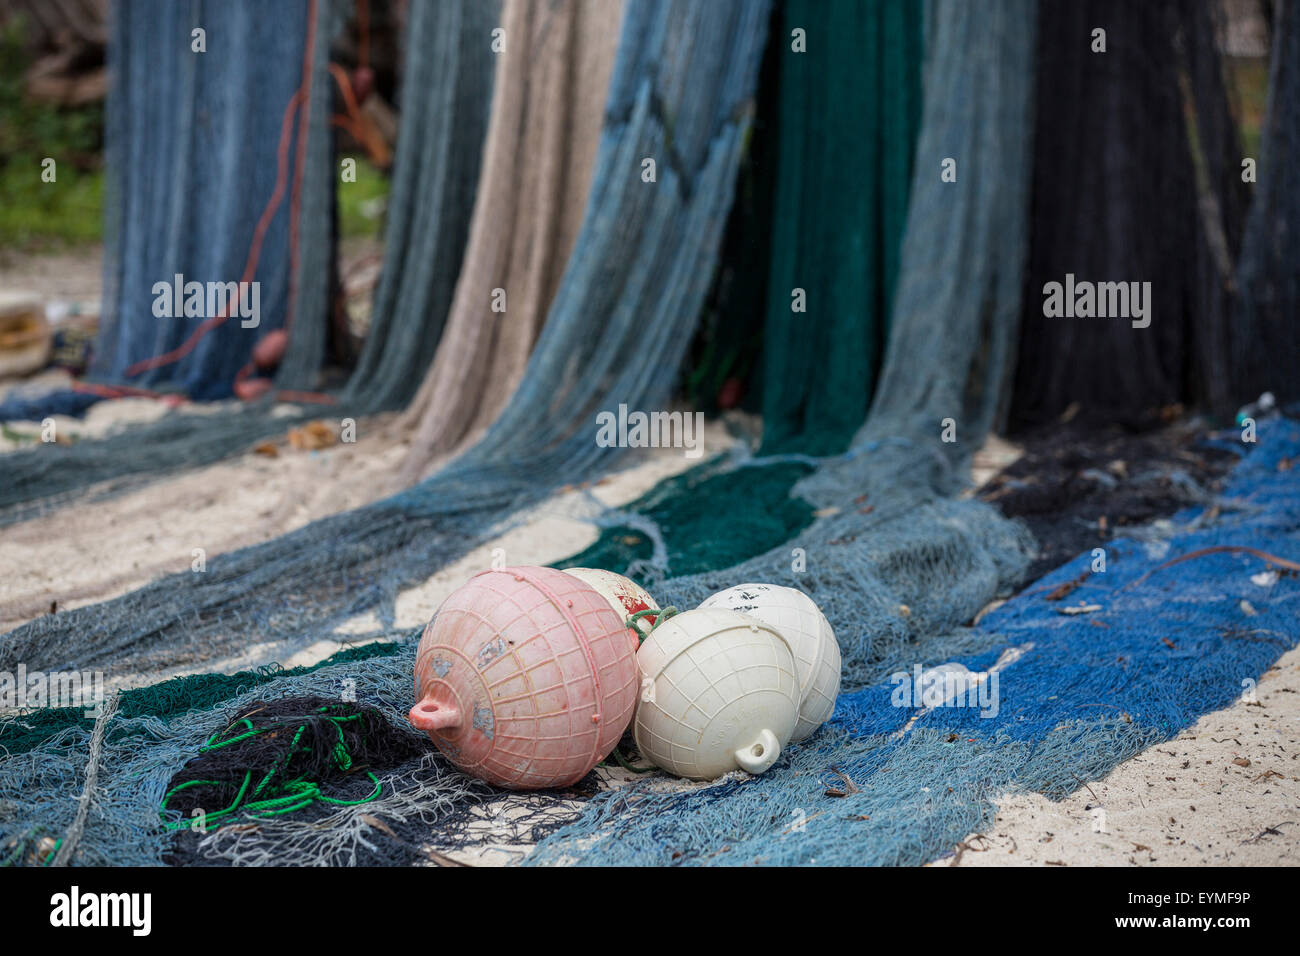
(888, 782)
(306, 756)
(218, 172)
(1211, 100)
(136, 754)
(891, 559)
(1076, 488)
(900, 566)
(1108, 234)
(22, 404)
(205, 152)
(712, 516)
(446, 90)
(1052, 696)
(422, 809)
(444, 114)
(1264, 354)
(545, 126)
(723, 367)
(847, 116)
(843, 133)
(621, 319)
(616, 333)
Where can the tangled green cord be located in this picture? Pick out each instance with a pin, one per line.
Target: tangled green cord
(294, 795)
(659, 614)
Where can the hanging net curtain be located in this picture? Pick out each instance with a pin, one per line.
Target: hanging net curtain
(894, 559)
(1105, 121)
(217, 173)
(1266, 344)
(616, 333)
(446, 93)
(552, 80)
(445, 100)
(847, 119)
(200, 147)
(844, 124)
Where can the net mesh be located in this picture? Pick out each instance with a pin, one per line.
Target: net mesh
(1155, 96)
(616, 334)
(899, 565)
(449, 70)
(546, 120)
(1264, 350)
(895, 779)
(837, 225)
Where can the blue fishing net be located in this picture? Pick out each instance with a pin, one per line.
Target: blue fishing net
(191, 149)
(889, 782)
(444, 100)
(191, 142)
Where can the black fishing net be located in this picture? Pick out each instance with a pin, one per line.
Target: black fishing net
(1079, 488)
(1266, 344)
(1115, 200)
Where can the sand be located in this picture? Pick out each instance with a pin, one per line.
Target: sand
(1191, 801)
(81, 555)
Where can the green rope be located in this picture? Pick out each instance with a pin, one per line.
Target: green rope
(293, 795)
(626, 764)
(659, 614)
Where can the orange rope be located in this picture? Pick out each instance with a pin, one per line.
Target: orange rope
(357, 123)
(301, 98)
(254, 254)
(1222, 549)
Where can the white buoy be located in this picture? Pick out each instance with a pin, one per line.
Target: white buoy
(797, 618)
(719, 691)
(624, 595)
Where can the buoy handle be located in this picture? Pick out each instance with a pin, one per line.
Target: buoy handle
(761, 754)
(429, 715)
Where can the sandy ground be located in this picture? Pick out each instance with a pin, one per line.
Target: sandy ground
(1224, 792)
(69, 557)
(75, 555)
(72, 274)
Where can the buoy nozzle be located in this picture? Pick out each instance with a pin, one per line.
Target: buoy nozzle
(429, 715)
(761, 754)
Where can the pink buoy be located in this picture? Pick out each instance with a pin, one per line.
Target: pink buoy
(525, 678)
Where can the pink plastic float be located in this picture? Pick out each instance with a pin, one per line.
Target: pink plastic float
(526, 678)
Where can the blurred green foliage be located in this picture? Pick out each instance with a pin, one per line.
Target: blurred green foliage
(1250, 79)
(361, 204)
(34, 213)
